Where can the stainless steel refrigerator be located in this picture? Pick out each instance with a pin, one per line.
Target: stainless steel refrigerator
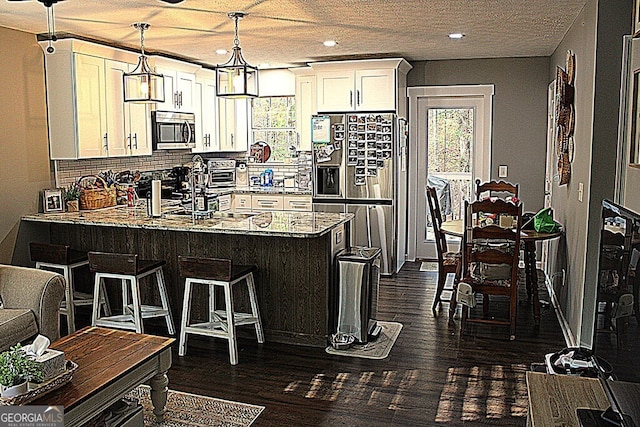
(359, 167)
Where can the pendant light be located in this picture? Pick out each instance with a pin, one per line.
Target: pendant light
(142, 84)
(235, 78)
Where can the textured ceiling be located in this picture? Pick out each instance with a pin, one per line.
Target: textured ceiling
(288, 32)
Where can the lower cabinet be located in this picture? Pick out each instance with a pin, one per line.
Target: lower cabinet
(267, 202)
(298, 203)
(241, 203)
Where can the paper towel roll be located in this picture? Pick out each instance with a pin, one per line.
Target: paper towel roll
(156, 193)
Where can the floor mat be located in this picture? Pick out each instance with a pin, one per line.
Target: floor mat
(429, 266)
(378, 349)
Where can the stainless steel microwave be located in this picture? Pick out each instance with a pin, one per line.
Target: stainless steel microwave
(172, 130)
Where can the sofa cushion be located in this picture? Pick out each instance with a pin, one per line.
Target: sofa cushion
(16, 325)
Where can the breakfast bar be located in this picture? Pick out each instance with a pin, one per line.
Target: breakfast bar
(292, 250)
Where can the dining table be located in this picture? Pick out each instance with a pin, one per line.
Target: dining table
(529, 237)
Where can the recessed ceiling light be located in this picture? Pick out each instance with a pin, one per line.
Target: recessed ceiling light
(456, 36)
(222, 51)
(329, 43)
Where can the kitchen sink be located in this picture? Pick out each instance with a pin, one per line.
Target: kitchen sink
(238, 215)
(222, 215)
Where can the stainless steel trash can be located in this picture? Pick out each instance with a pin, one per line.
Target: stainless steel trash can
(358, 280)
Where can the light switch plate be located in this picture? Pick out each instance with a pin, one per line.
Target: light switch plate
(502, 171)
(580, 191)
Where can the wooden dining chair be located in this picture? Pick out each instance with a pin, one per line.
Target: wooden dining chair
(496, 187)
(448, 262)
(491, 255)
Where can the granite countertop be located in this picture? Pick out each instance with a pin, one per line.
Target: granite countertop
(275, 223)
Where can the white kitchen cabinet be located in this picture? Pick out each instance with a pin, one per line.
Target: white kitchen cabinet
(179, 84)
(233, 124)
(298, 203)
(205, 110)
(241, 202)
(305, 105)
(90, 106)
(224, 203)
(87, 114)
(128, 129)
(267, 202)
(363, 90)
(369, 85)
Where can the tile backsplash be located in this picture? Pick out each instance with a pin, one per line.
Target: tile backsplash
(68, 171)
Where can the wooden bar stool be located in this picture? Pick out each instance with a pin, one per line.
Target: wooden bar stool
(214, 272)
(63, 259)
(129, 270)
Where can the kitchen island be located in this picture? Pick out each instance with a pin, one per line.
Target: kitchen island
(293, 252)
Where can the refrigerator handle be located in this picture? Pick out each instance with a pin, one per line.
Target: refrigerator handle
(368, 217)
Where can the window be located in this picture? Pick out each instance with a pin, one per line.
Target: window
(274, 122)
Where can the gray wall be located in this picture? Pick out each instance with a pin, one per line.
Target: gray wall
(519, 113)
(596, 40)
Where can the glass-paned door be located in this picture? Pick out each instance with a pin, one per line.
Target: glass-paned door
(451, 154)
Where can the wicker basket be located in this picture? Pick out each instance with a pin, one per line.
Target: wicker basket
(43, 388)
(96, 198)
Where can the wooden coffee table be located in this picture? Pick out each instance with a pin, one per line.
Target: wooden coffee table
(110, 364)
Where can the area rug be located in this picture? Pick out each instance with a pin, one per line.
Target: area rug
(429, 266)
(186, 409)
(378, 349)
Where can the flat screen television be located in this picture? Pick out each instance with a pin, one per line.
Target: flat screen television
(616, 340)
(616, 332)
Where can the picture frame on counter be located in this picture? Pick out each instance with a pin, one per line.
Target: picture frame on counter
(52, 201)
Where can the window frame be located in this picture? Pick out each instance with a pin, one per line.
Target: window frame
(291, 130)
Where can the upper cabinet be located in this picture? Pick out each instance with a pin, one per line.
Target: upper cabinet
(179, 84)
(369, 85)
(87, 114)
(305, 105)
(233, 124)
(128, 124)
(205, 110)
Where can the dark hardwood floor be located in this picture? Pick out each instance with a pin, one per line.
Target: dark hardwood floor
(431, 377)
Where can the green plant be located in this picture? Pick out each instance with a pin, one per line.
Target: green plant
(16, 366)
(72, 192)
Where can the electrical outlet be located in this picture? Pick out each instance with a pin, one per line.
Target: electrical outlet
(502, 171)
(580, 191)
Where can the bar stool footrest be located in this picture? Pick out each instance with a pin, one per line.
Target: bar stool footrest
(239, 318)
(148, 311)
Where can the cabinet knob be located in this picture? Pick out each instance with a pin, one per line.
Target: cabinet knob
(358, 97)
(106, 142)
(135, 141)
(129, 141)
(351, 98)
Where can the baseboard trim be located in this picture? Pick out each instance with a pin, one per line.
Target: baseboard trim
(564, 325)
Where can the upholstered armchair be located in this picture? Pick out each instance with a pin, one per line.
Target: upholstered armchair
(29, 304)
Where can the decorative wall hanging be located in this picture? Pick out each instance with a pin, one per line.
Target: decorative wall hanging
(565, 117)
